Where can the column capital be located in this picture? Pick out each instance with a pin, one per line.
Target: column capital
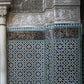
(4, 4)
(3, 10)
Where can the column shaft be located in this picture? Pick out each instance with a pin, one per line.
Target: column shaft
(3, 57)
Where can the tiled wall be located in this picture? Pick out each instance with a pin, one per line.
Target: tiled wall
(48, 55)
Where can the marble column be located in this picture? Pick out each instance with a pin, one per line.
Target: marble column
(3, 57)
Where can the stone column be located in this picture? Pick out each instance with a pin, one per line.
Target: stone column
(3, 57)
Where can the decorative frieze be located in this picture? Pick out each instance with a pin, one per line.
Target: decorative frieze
(58, 14)
(31, 19)
(24, 20)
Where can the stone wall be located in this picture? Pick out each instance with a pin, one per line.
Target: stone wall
(37, 13)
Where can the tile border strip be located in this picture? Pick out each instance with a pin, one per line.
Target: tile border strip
(45, 27)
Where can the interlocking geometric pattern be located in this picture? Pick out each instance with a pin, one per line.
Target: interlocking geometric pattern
(26, 62)
(66, 62)
(49, 61)
(60, 60)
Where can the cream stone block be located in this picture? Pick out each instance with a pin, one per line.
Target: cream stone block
(3, 57)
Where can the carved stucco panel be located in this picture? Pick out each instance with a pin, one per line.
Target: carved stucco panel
(23, 20)
(67, 13)
(63, 14)
(31, 19)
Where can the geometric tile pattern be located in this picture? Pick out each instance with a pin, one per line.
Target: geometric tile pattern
(26, 62)
(50, 56)
(66, 62)
(62, 62)
(44, 62)
(48, 62)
